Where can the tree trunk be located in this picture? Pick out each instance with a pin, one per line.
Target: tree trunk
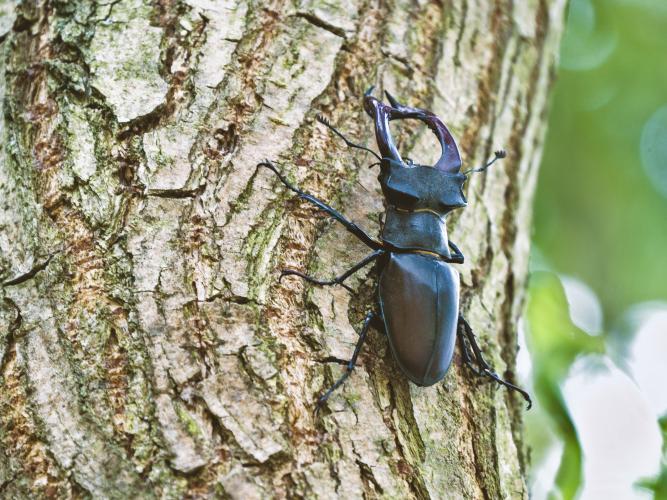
(147, 346)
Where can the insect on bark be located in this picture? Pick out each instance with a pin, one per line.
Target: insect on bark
(418, 288)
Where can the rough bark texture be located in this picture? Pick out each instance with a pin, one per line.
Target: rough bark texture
(147, 348)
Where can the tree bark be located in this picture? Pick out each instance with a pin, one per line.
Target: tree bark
(147, 348)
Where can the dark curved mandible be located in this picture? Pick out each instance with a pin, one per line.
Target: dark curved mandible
(382, 114)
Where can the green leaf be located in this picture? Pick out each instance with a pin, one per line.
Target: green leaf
(555, 343)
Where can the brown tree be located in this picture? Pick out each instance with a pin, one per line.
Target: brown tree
(147, 348)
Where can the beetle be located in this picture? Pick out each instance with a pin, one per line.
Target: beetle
(418, 287)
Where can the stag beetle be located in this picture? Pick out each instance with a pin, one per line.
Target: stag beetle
(418, 289)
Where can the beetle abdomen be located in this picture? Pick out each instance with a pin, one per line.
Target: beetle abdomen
(419, 296)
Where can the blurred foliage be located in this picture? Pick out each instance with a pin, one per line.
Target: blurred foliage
(601, 203)
(658, 484)
(600, 213)
(555, 343)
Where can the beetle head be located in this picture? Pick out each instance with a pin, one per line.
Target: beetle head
(421, 187)
(408, 186)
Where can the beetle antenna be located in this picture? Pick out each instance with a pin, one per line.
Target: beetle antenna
(349, 143)
(499, 155)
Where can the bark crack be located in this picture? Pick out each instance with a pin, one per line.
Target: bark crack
(22, 278)
(176, 193)
(321, 23)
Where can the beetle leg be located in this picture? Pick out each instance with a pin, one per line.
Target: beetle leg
(485, 368)
(349, 225)
(467, 356)
(349, 143)
(458, 256)
(353, 361)
(339, 279)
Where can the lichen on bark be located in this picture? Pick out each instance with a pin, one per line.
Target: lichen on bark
(147, 348)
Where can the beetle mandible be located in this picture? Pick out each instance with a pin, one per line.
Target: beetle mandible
(418, 289)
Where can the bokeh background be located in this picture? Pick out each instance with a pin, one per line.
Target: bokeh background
(596, 320)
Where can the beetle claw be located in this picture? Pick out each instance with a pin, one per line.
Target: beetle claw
(319, 404)
(493, 375)
(529, 401)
